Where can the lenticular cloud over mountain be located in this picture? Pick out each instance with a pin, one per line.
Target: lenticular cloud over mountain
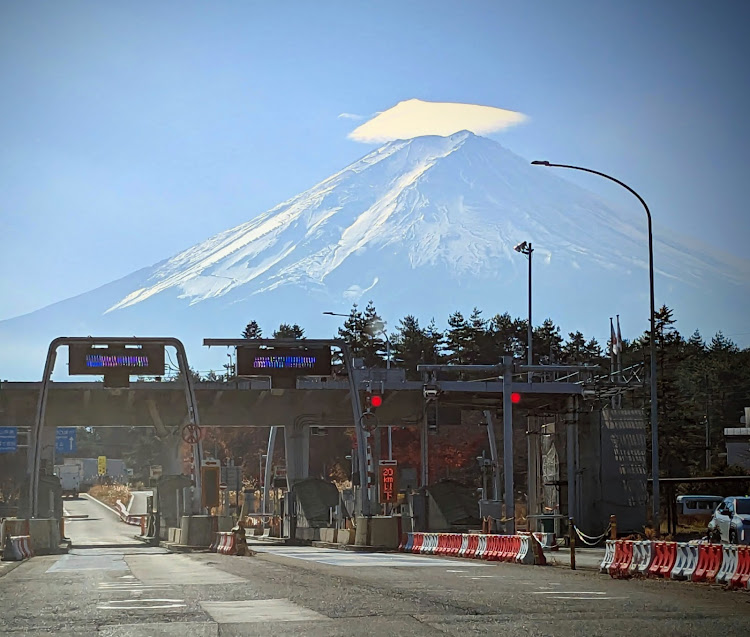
(423, 226)
(416, 118)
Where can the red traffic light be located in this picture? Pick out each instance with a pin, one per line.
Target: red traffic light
(376, 400)
(515, 398)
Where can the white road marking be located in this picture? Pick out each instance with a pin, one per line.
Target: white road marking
(454, 571)
(143, 604)
(582, 598)
(260, 610)
(333, 557)
(569, 593)
(73, 562)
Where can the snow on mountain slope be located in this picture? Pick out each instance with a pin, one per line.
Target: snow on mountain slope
(424, 226)
(461, 202)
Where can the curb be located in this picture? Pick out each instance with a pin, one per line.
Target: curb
(353, 547)
(106, 506)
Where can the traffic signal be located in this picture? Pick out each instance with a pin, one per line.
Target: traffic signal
(515, 398)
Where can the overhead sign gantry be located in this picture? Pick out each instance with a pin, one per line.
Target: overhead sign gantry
(116, 359)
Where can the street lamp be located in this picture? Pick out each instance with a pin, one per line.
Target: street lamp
(525, 248)
(654, 412)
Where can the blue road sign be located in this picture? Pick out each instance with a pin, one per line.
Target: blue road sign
(65, 440)
(8, 439)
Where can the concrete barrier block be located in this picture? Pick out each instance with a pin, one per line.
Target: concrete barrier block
(45, 535)
(345, 536)
(197, 530)
(378, 530)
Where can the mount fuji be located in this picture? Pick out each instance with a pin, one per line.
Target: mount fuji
(423, 226)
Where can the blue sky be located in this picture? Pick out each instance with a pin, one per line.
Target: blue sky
(133, 130)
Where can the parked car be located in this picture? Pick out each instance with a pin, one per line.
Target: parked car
(731, 521)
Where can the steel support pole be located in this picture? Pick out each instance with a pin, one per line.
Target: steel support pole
(510, 509)
(424, 452)
(269, 465)
(530, 329)
(493, 454)
(571, 424)
(361, 434)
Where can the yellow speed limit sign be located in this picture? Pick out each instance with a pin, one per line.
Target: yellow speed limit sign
(102, 465)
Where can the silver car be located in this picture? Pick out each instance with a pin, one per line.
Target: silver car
(731, 521)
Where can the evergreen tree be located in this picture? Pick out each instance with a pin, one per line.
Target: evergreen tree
(289, 331)
(547, 343)
(362, 332)
(252, 330)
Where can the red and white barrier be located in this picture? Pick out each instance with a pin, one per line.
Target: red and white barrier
(609, 556)
(741, 577)
(20, 546)
(525, 552)
(481, 547)
(686, 562)
(642, 556)
(728, 564)
(503, 548)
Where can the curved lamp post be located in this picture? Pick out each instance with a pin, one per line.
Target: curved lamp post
(654, 413)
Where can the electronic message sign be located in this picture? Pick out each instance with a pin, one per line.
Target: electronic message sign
(387, 481)
(86, 360)
(283, 362)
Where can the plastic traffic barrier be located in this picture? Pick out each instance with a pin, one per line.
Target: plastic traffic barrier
(642, 556)
(417, 543)
(464, 545)
(525, 554)
(715, 566)
(409, 542)
(709, 563)
(692, 550)
(728, 564)
(620, 566)
(481, 547)
(17, 548)
(660, 558)
(609, 556)
(670, 556)
(215, 544)
(687, 560)
(741, 575)
(472, 544)
(402, 542)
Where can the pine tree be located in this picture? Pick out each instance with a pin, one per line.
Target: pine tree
(252, 330)
(289, 331)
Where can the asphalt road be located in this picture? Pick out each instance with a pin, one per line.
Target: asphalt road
(101, 527)
(140, 591)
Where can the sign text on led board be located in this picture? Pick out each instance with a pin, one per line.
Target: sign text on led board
(387, 481)
(85, 360)
(252, 361)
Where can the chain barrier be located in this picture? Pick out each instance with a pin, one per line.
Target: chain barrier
(591, 540)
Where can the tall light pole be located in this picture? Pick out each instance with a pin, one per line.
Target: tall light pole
(525, 248)
(654, 412)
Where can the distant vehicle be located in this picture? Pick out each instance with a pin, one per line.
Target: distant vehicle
(70, 479)
(731, 521)
(700, 505)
